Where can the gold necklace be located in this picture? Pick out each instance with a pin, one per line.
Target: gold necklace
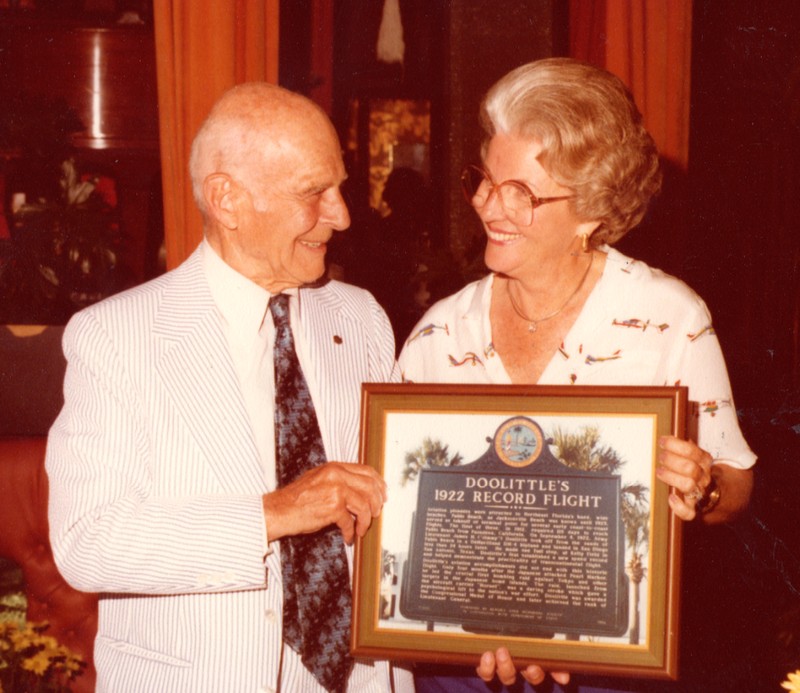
(534, 324)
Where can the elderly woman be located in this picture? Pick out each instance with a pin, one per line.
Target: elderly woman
(567, 170)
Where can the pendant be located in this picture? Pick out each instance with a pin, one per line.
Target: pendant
(532, 327)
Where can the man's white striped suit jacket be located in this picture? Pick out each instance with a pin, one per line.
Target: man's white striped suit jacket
(156, 483)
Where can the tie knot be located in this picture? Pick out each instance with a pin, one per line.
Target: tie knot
(279, 307)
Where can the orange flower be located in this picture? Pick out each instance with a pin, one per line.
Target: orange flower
(793, 682)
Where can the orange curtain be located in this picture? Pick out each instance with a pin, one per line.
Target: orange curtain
(203, 47)
(647, 43)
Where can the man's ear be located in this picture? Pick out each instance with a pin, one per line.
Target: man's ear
(220, 193)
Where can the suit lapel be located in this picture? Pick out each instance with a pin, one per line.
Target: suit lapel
(336, 349)
(198, 374)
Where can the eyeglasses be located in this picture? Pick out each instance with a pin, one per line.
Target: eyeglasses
(516, 198)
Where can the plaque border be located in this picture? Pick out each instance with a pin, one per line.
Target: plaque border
(656, 658)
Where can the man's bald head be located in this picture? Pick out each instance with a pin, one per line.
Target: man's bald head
(249, 125)
(266, 171)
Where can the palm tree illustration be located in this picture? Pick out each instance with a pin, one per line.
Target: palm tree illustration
(583, 450)
(430, 454)
(636, 518)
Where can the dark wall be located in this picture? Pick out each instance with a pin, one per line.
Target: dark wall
(455, 50)
(31, 375)
(745, 148)
(729, 228)
(486, 41)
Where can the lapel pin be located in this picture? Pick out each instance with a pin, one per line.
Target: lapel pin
(337, 339)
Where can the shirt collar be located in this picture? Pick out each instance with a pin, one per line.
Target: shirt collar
(481, 298)
(241, 302)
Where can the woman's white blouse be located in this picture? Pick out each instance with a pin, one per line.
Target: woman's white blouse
(639, 326)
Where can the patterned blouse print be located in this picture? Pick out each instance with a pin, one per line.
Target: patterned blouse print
(639, 326)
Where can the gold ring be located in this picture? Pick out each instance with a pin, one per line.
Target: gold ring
(696, 495)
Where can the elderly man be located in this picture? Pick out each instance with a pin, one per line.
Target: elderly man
(190, 477)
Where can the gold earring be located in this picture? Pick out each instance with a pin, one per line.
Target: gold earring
(585, 242)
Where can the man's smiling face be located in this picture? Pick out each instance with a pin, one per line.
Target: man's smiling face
(295, 206)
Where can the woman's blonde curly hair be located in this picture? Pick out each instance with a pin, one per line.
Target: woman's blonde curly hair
(592, 136)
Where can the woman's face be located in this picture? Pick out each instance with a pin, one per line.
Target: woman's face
(553, 233)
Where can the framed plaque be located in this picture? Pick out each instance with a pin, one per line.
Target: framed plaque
(523, 516)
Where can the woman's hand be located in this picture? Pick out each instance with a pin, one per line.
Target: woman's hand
(501, 665)
(688, 470)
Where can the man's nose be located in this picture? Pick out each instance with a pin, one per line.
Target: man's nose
(335, 212)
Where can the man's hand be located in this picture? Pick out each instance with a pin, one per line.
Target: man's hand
(346, 495)
(501, 665)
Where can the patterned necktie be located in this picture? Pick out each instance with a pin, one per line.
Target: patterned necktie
(316, 582)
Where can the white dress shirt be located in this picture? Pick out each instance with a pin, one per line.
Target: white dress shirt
(248, 326)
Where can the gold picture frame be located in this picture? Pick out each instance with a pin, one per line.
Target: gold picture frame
(523, 516)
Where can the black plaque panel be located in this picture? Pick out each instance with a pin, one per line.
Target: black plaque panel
(518, 544)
